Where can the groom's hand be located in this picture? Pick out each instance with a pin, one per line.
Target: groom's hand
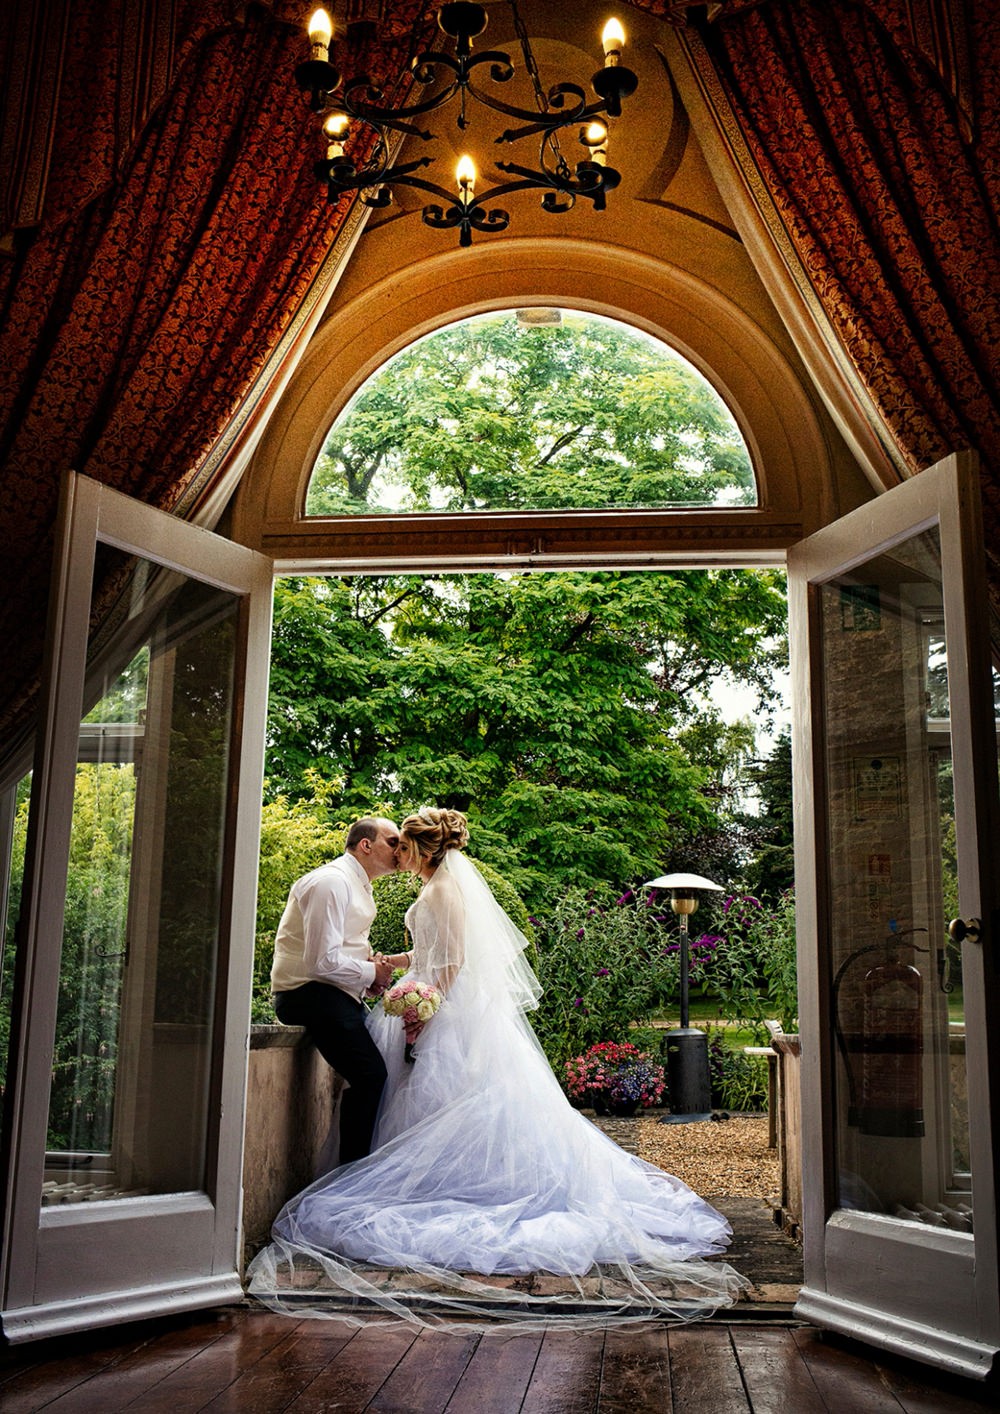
(383, 973)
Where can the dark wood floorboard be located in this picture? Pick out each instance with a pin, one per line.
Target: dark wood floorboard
(286, 1370)
(567, 1376)
(248, 1361)
(636, 1371)
(426, 1376)
(844, 1379)
(34, 1376)
(497, 1376)
(357, 1372)
(920, 1389)
(704, 1372)
(212, 1370)
(776, 1378)
(126, 1379)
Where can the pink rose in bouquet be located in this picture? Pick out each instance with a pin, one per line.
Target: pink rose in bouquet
(416, 1003)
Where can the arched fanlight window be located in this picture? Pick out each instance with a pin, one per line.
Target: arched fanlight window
(532, 410)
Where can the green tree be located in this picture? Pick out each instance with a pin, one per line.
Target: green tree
(771, 871)
(487, 414)
(563, 712)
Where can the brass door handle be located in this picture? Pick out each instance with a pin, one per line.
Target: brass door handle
(960, 929)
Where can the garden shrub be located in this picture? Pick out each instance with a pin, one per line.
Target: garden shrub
(753, 967)
(739, 1082)
(603, 964)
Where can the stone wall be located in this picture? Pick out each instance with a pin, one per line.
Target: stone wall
(291, 1096)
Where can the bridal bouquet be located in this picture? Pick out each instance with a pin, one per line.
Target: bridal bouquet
(415, 1002)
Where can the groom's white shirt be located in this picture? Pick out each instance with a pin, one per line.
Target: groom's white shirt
(323, 933)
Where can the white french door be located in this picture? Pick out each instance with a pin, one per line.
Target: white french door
(895, 745)
(133, 967)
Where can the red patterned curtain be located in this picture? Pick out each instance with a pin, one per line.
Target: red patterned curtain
(176, 235)
(874, 126)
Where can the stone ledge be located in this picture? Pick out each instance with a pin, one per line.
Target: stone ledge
(268, 1037)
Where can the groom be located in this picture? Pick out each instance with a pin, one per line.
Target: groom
(324, 965)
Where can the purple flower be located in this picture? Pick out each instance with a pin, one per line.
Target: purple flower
(578, 1001)
(625, 897)
(579, 932)
(603, 972)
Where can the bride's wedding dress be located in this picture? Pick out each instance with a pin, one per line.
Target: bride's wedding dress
(482, 1169)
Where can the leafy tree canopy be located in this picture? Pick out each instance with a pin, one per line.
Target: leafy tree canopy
(564, 712)
(487, 414)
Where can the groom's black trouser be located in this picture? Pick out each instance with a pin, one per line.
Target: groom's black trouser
(335, 1023)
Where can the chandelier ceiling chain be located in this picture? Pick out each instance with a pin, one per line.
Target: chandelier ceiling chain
(565, 106)
(531, 68)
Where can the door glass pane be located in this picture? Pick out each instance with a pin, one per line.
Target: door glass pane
(132, 1066)
(13, 831)
(901, 1116)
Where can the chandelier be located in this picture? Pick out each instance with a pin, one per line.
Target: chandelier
(347, 105)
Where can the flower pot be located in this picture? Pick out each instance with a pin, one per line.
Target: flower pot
(622, 1109)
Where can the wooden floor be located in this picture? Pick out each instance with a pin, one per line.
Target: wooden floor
(247, 1360)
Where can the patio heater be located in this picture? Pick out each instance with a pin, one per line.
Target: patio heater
(689, 1085)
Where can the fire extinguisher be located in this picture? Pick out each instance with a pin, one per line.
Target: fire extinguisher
(892, 1098)
(889, 1100)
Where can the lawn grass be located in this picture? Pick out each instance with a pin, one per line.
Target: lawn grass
(703, 1012)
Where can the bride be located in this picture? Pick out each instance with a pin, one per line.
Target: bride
(484, 1184)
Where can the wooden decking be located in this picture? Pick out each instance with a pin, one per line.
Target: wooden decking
(246, 1361)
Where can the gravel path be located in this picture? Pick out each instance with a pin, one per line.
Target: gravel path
(714, 1157)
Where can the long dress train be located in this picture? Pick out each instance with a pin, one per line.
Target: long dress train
(483, 1169)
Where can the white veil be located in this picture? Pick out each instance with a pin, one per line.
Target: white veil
(493, 948)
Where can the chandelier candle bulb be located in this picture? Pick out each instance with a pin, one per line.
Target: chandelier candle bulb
(466, 174)
(613, 42)
(336, 128)
(596, 140)
(320, 34)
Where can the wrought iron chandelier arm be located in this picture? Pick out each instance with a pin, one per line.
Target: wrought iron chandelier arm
(404, 177)
(361, 101)
(342, 176)
(554, 124)
(501, 71)
(545, 120)
(589, 180)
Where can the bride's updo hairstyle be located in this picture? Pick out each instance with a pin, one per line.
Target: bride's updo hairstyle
(432, 833)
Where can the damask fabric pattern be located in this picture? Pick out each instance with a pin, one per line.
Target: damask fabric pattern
(891, 204)
(134, 326)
